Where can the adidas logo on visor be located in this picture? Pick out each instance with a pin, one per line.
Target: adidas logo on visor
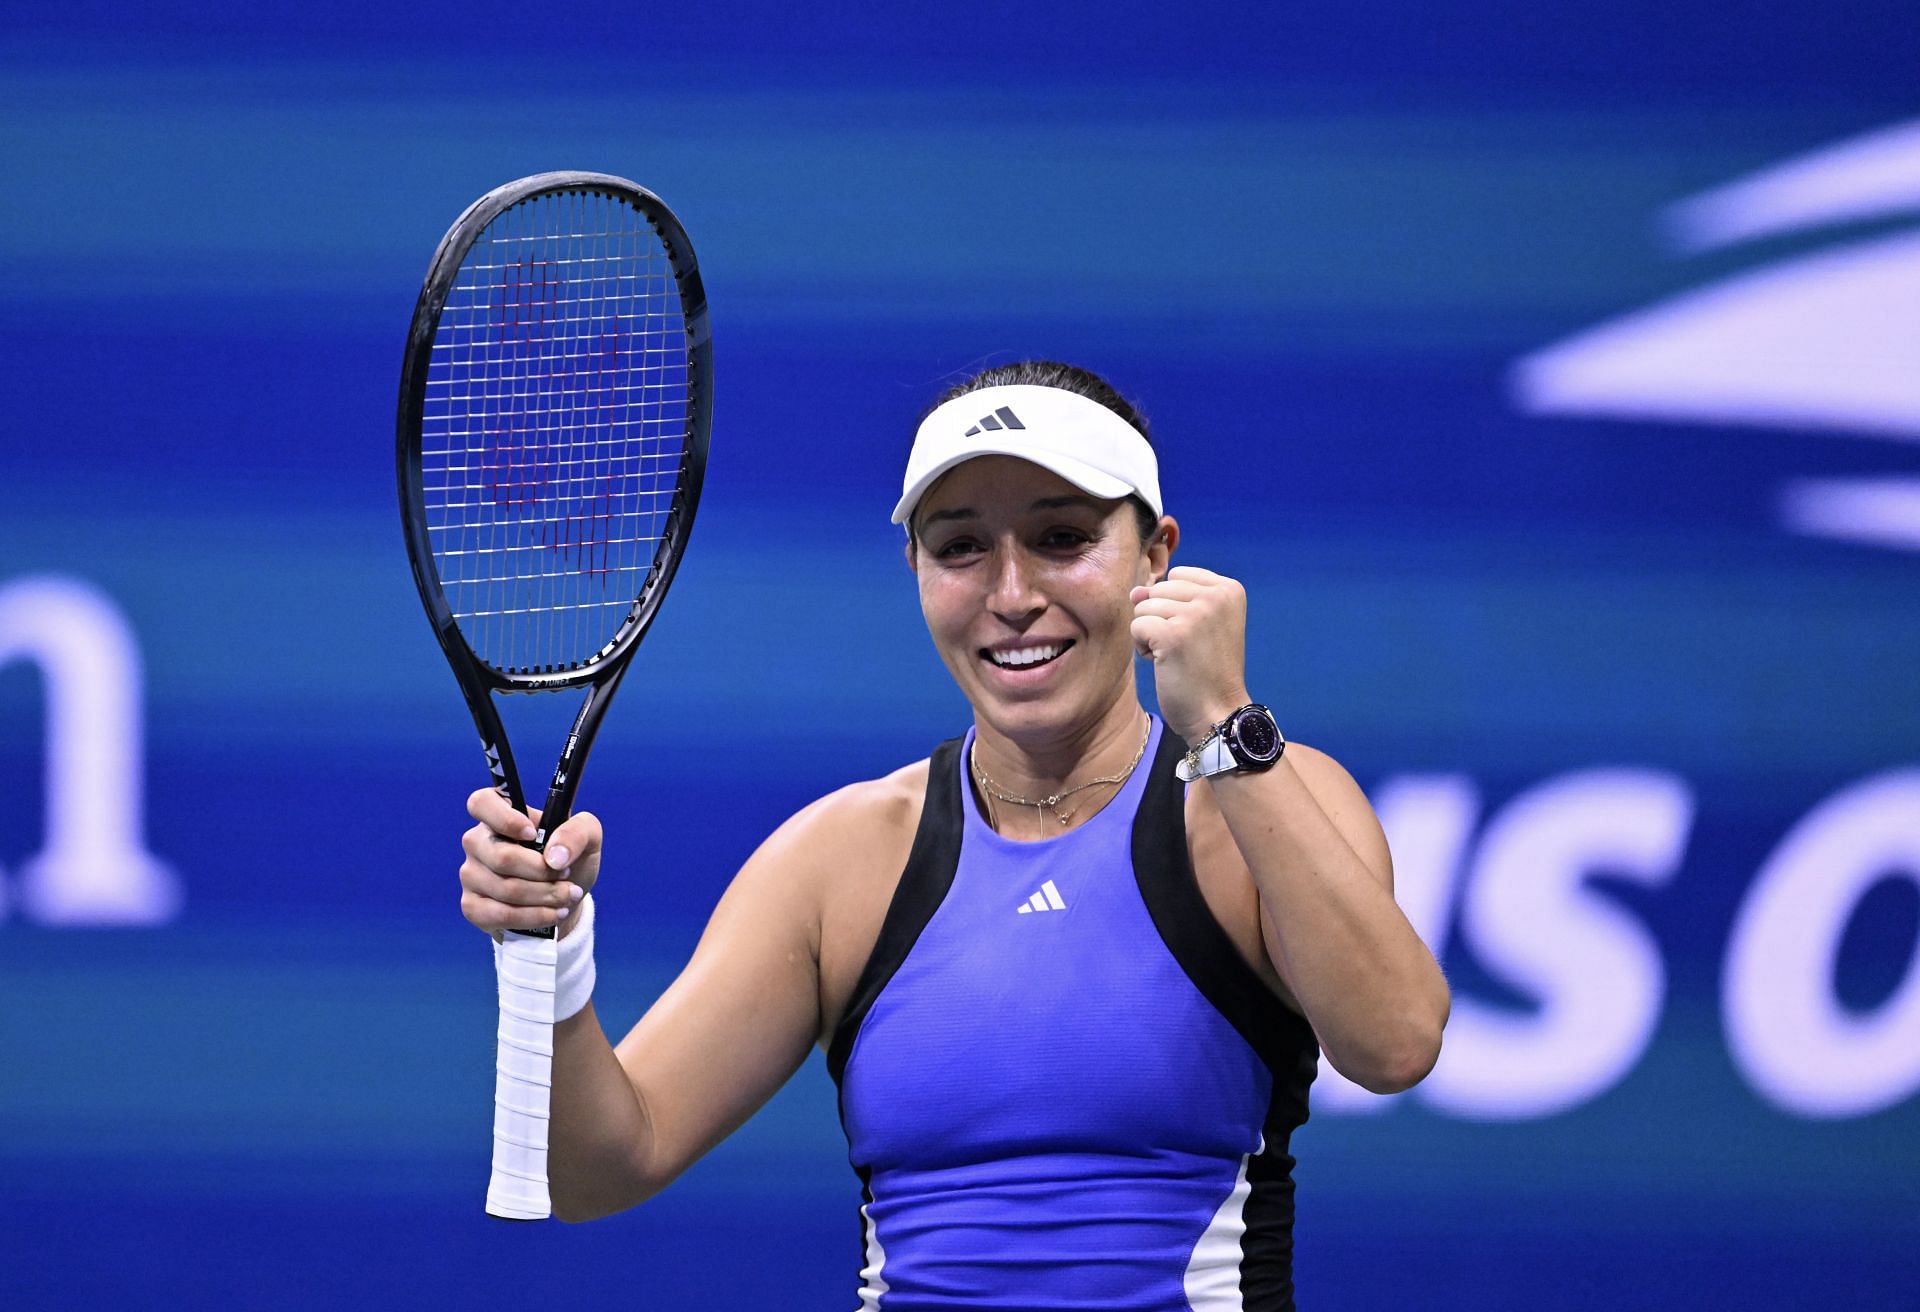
(1001, 418)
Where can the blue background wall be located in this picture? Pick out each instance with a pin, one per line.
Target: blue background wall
(1359, 266)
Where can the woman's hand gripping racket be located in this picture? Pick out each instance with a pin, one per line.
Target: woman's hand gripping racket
(554, 412)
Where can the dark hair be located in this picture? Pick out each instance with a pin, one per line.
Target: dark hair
(1068, 378)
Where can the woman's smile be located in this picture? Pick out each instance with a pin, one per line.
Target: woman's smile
(1022, 663)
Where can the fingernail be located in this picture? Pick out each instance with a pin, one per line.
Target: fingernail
(564, 912)
(575, 892)
(557, 857)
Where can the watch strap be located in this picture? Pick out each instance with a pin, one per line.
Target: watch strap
(1212, 756)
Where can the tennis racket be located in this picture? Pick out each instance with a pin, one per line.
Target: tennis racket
(555, 404)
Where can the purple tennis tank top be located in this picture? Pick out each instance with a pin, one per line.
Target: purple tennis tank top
(1062, 1087)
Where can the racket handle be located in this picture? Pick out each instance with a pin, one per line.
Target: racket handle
(523, 1080)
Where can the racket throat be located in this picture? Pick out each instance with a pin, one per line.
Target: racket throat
(573, 755)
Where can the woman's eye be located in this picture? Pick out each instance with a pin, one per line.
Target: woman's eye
(958, 547)
(1064, 538)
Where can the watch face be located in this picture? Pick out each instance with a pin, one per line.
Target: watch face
(1257, 735)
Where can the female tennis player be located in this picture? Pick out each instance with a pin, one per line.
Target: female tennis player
(1073, 972)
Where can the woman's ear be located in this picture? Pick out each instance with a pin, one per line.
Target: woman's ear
(1166, 536)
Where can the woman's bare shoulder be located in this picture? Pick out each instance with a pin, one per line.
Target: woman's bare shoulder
(866, 813)
(861, 822)
(860, 837)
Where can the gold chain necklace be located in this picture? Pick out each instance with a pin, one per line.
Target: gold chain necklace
(1051, 803)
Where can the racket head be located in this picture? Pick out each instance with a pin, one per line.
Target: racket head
(555, 408)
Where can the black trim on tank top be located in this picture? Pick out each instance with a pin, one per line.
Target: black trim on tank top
(1266, 1245)
(860, 1214)
(923, 886)
(1163, 870)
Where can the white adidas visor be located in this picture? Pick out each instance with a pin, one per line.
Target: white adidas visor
(1077, 438)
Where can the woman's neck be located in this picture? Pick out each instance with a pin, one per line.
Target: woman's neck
(1039, 766)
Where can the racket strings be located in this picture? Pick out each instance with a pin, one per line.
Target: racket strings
(554, 433)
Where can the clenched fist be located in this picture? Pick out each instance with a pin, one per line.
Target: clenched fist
(1193, 626)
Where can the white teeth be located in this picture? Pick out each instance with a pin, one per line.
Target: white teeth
(1025, 656)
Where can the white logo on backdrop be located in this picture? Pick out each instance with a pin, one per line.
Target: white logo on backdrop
(93, 867)
(1594, 972)
(1824, 342)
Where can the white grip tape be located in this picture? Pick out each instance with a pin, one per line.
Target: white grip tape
(523, 1078)
(542, 982)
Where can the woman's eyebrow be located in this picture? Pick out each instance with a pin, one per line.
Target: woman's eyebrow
(1044, 503)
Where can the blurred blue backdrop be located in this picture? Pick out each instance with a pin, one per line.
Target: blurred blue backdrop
(1550, 375)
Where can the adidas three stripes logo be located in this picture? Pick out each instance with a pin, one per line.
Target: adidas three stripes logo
(1047, 899)
(1001, 418)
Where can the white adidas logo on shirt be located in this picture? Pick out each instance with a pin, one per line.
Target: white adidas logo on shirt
(1047, 899)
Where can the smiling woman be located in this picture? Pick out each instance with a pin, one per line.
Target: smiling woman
(1024, 583)
(1073, 971)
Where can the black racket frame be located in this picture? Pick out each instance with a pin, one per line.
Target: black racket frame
(602, 672)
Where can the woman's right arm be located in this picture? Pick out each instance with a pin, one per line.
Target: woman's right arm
(716, 1045)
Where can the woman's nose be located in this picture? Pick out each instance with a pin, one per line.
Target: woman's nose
(1015, 592)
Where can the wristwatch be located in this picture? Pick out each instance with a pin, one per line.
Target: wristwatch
(1247, 740)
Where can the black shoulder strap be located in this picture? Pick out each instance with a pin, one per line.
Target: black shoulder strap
(923, 886)
(1164, 873)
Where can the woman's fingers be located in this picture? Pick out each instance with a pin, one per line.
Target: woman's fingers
(577, 837)
(1178, 589)
(493, 915)
(1148, 631)
(495, 902)
(505, 884)
(505, 856)
(1161, 606)
(476, 878)
(496, 813)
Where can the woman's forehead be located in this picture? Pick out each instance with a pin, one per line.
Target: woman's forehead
(997, 483)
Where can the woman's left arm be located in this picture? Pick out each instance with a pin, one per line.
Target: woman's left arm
(1365, 982)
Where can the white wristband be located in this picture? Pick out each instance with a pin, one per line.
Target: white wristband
(573, 965)
(573, 973)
